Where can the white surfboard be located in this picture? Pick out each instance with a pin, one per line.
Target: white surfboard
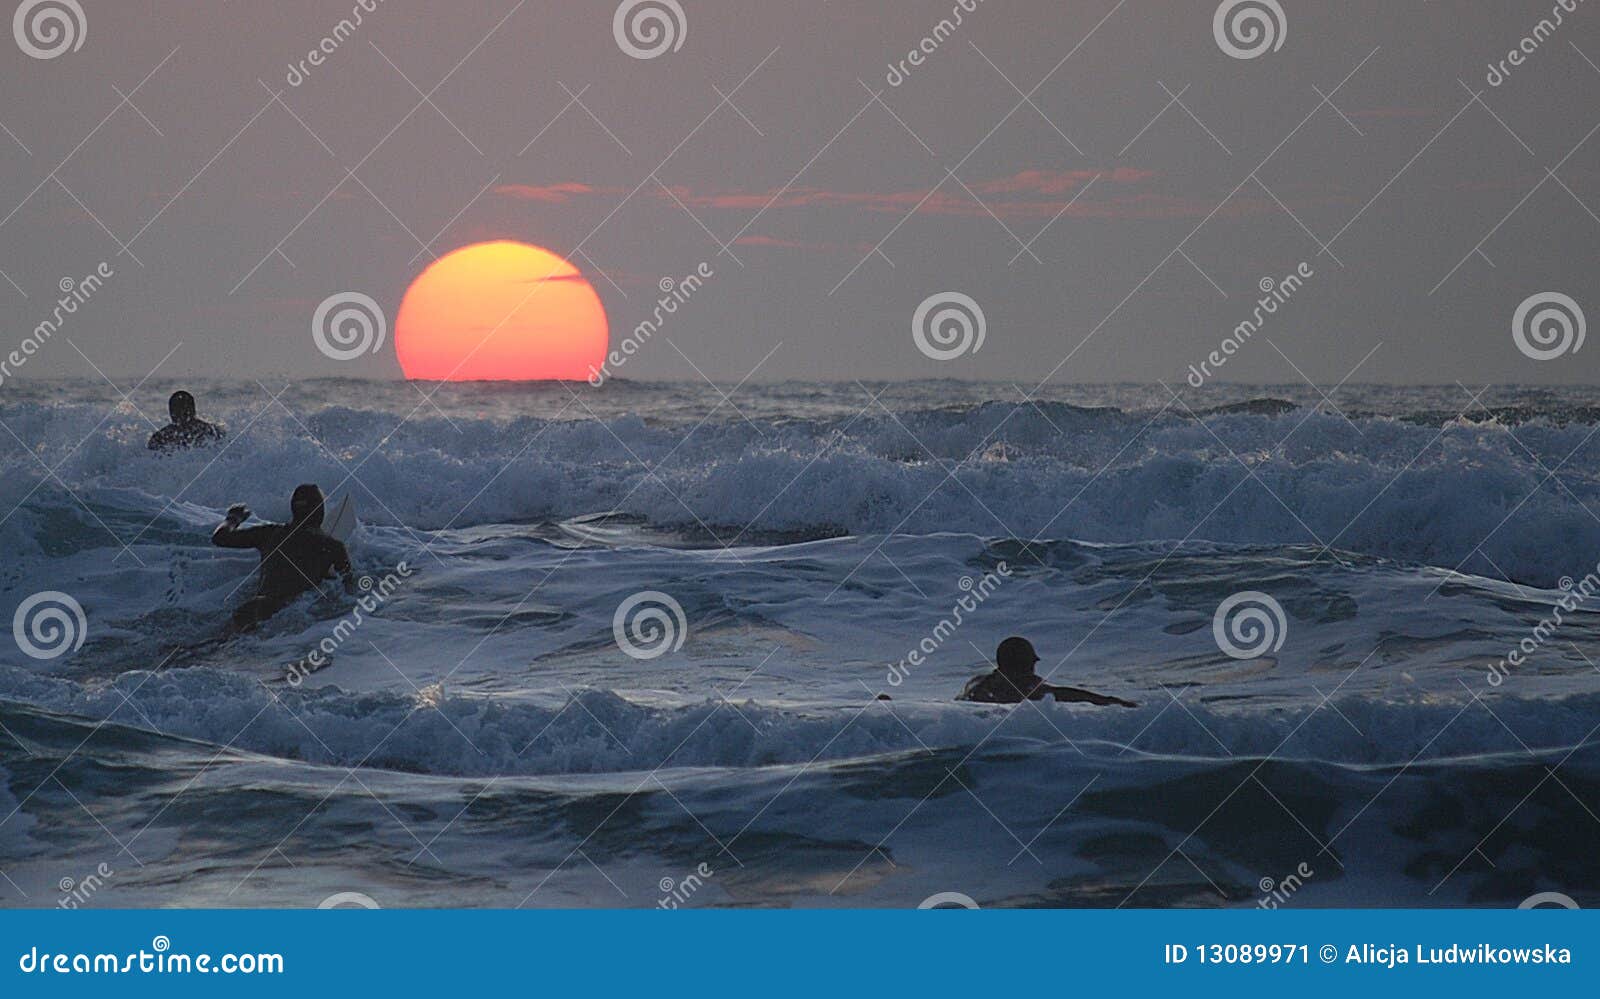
(343, 523)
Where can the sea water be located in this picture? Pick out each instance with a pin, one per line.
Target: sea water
(493, 732)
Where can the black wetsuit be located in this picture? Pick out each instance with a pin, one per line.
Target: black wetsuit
(996, 687)
(189, 433)
(294, 558)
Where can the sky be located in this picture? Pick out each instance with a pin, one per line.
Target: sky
(1109, 182)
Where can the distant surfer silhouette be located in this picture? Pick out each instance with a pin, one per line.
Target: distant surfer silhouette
(1015, 681)
(295, 557)
(186, 429)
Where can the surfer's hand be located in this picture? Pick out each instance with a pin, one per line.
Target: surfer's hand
(238, 514)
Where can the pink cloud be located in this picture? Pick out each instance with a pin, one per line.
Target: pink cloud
(550, 194)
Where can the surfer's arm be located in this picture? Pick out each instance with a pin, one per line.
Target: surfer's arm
(229, 533)
(1073, 694)
(341, 565)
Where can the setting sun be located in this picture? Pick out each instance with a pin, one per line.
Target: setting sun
(500, 311)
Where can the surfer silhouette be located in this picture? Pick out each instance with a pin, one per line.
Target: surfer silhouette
(1015, 681)
(186, 429)
(295, 557)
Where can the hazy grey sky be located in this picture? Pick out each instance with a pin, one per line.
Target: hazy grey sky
(1196, 174)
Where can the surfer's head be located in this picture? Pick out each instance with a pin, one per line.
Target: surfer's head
(306, 505)
(1016, 657)
(181, 407)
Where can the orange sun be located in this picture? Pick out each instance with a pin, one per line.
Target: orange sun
(500, 311)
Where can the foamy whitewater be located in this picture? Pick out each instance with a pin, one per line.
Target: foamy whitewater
(481, 738)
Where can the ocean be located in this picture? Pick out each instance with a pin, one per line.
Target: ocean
(629, 647)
